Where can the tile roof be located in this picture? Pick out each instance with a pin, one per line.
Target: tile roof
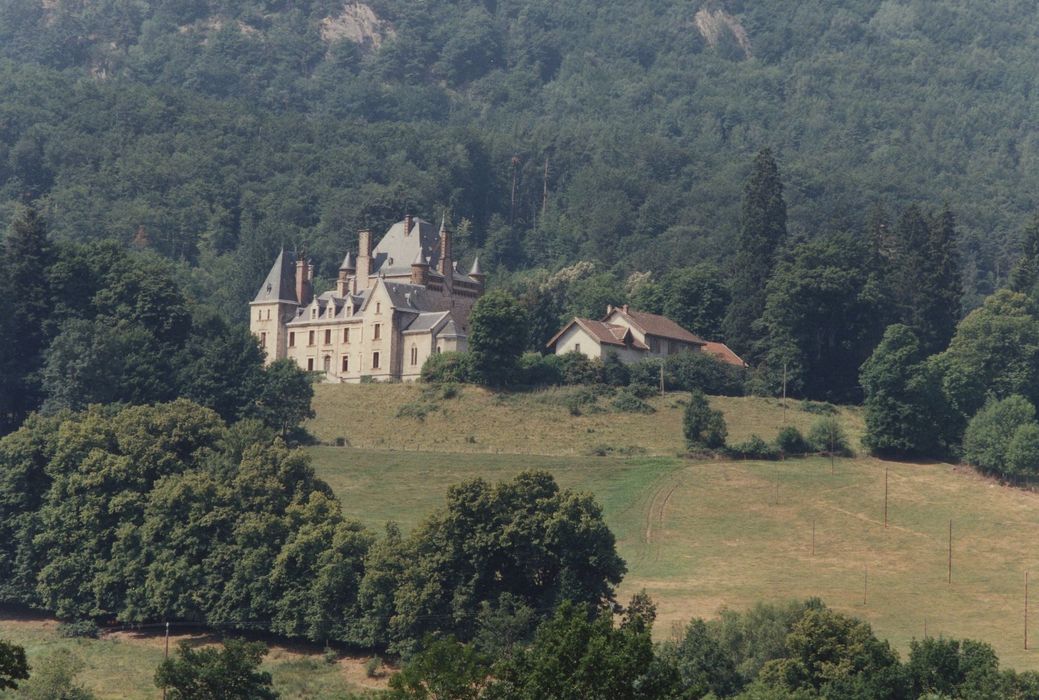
(724, 353)
(661, 326)
(608, 333)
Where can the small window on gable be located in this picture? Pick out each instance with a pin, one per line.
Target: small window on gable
(577, 347)
(378, 308)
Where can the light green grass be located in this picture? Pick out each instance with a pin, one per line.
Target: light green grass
(537, 422)
(701, 535)
(122, 665)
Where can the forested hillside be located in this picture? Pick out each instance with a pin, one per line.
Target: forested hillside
(215, 131)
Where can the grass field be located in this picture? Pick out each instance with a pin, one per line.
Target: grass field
(537, 422)
(702, 535)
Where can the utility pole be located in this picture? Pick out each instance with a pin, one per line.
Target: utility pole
(865, 582)
(813, 537)
(1026, 611)
(950, 551)
(661, 377)
(784, 392)
(885, 497)
(544, 190)
(166, 654)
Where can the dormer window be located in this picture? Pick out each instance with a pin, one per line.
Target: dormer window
(378, 308)
(313, 313)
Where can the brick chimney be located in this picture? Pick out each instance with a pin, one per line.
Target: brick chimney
(444, 265)
(364, 257)
(408, 223)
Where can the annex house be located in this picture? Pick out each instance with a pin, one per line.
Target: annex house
(633, 336)
(393, 306)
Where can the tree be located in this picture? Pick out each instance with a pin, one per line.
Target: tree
(579, 654)
(926, 279)
(992, 430)
(27, 255)
(497, 336)
(762, 231)
(702, 663)
(907, 414)
(54, 678)
(13, 666)
(1024, 277)
(443, 670)
(216, 674)
(696, 298)
(953, 668)
(822, 317)
(702, 426)
(285, 396)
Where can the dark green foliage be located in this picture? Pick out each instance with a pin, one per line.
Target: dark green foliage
(688, 371)
(13, 666)
(497, 335)
(578, 653)
(285, 392)
(702, 663)
(702, 425)
(208, 673)
(822, 318)
(614, 372)
(762, 231)
(448, 367)
(790, 441)
(577, 368)
(443, 669)
(907, 414)
(693, 297)
(753, 447)
(54, 678)
(827, 435)
(1022, 456)
(467, 555)
(1024, 277)
(540, 370)
(994, 429)
(954, 669)
(629, 402)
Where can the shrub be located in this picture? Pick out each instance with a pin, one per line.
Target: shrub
(448, 367)
(628, 402)
(540, 370)
(790, 441)
(703, 427)
(79, 629)
(819, 408)
(827, 435)
(1023, 451)
(645, 374)
(615, 372)
(991, 431)
(686, 371)
(416, 409)
(579, 369)
(753, 448)
(372, 667)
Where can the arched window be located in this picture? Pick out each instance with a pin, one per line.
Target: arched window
(414, 355)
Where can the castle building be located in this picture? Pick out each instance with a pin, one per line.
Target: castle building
(393, 306)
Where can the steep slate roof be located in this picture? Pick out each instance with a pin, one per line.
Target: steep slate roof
(397, 249)
(661, 326)
(426, 322)
(724, 353)
(608, 333)
(280, 284)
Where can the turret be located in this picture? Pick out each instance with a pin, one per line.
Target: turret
(346, 272)
(475, 273)
(419, 270)
(445, 266)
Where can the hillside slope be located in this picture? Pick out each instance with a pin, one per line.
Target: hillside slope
(210, 127)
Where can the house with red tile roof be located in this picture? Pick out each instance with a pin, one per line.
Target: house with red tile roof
(633, 336)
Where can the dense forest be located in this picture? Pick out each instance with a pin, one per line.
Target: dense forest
(613, 133)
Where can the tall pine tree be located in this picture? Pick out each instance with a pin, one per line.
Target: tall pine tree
(762, 231)
(23, 286)
(927, 277)
(1024, 277)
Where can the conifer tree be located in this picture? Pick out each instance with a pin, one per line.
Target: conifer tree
(23, 286)
(1025, 276)
(926, 280)
(762, 230)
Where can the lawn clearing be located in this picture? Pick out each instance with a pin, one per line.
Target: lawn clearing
(701, 535)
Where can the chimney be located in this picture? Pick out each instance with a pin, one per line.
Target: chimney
(444, 265)
(609, 310)
(408, 223)
(624, 308)
(346, 271)
(364, 258)
(304, 274)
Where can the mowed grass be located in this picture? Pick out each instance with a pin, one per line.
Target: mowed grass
(535, 422)
(122, 664)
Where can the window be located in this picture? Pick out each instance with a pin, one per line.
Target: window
(414, 355)
(310, 337)
(259, 315)
(328, 336)
(375, 360)
(378, 308)
(328, 364)
(263, 340)
(346, 335)
(346, 363)
(268, 314)
(438, 348)
(292, 340)
(577, 347)
(313, 313)
(310, 364)
(375, 332)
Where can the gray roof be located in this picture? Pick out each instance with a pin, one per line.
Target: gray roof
(450, 330)
(348, 262)
(475, 269)
(426, 322)
(280, 284)
(397, 249)
(410, 297)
